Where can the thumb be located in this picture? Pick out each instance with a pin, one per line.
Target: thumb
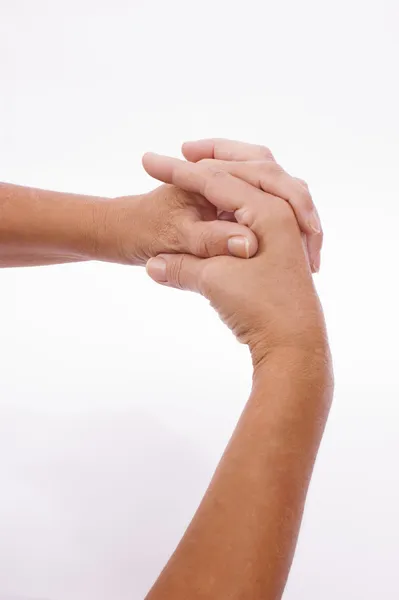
(181, 271)
(215, 238)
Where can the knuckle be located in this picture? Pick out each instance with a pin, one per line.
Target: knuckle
(175, 271)
(271, 168)
(245, 216)
(266, 153)
(204, 245)
(216, 173)
(201, 244)
(302, 182)
(268, 166)
(214, 177)
(305, 198)
(274, 166)
(271, 175)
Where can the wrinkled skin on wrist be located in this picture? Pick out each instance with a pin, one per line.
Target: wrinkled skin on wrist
(143, 225)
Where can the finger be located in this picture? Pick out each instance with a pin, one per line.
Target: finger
(271, 178)
(217, 238)
(315, 243)
(295, 191)
(220, 188)
(223, 149)
(181, 271)
(226, 216)
(314, 256)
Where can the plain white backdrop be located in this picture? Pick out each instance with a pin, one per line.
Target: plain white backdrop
(117, 397)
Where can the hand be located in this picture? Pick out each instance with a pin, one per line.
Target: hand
(269, 301)
(135, 228)
(256, 165)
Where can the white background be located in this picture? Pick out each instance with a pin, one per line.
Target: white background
(118, 397)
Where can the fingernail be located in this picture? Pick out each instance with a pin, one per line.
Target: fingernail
(316, 264)
(238, 246)
(314, 222)
(156, 269)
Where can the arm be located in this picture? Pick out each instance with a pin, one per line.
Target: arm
(39, 227)
(242, 539)
(241, 542)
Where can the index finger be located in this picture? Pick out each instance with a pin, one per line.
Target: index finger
(223, 149)
(226, 192)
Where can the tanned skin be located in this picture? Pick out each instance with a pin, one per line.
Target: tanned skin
(228, 202)
(241, 541)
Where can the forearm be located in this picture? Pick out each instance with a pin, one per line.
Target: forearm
(42, 227)
(241, 541)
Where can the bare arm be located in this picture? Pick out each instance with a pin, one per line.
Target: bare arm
(241, 542)
(39, 227)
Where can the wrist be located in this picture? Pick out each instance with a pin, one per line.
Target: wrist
(297, 334)
(116, 230)
(82, 229)
(308, 361)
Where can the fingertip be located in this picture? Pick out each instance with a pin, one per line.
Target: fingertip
(238, 246)
(253, 244)
(242, 245)
(148, 155)
(144, 158)
(313, 222)
(188, 150)
(314, 259)
(187, 145)
(316, 263)
(147, 159)
(197, 150)
(156, 269)
(159, 166)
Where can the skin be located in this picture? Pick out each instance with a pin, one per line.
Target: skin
(241, 541)
(40, 227)
(257, 166)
